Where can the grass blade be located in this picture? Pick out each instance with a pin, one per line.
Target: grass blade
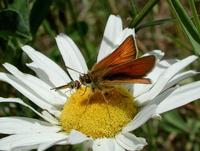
(155, 23)
(195, 14)
(139, 17)
(186, 24)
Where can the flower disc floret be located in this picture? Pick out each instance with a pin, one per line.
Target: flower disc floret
(98, 114)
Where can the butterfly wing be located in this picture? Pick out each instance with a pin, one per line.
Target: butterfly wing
(124, 53)
(127, 80)
(132, 71)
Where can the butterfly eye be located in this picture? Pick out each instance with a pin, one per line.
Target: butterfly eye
(87, 78)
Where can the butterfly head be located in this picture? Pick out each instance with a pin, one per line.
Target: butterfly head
(85, 79)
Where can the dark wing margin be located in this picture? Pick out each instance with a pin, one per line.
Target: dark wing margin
(127, 80)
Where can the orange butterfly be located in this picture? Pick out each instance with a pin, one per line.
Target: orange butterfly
(121, 66)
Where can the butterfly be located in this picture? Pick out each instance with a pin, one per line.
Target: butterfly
(120, 67)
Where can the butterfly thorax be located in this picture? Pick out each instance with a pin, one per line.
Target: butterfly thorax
(88, 80)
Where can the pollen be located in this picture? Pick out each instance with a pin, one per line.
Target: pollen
(98, 114)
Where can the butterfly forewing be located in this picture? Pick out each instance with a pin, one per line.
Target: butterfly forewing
(126, 52)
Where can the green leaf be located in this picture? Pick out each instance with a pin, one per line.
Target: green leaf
(48, 28)
(175, 120)
(186, 24)
(170, 128)
(21, 8)
(38, 13)
(83, 28)
(9, 20)
(194, 127)
(11, 24)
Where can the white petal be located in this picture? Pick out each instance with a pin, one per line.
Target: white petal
(179, 77)
(131, 142)
(39, 72)
(38, 86)
(164, 79)
(76, 137)
(87, 145)
(154, 75)
(118, 147)
(181, 96)
(17, 100)
(51, 117)
(125, 33)
(157, 53)
(103, 144)
(47, 67)
(106, 144)
(112, 30)
(162, 96)
(28, 92)
(14, 142)
(13, 125)
(43, 76)
(144, 115)
(43, 147)
(159, 68)
(71, 55)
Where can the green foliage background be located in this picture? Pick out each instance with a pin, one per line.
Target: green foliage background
(172, 26)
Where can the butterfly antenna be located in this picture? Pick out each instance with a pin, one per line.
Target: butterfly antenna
(73, 70)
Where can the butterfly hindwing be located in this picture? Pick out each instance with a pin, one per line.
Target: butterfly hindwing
(131, 70)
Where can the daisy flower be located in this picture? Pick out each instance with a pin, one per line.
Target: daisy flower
(67, 118)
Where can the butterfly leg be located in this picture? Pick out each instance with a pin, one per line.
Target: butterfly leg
(84, 91)
(107, 103)
(121, 93)
(88, 99)
(70, 90)
(86, 106)
(113, 88)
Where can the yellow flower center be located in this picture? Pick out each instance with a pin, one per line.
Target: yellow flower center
(98, 114)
